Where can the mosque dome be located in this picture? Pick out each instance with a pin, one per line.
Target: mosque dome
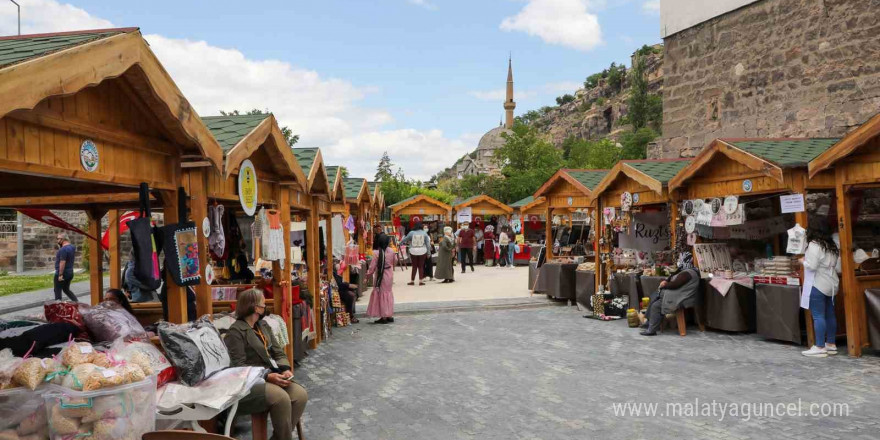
(493, 140)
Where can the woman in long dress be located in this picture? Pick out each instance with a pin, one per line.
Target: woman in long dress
(382, 266)
(489, 246)
(446, 257)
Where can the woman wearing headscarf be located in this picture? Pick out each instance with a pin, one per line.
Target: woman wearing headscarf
(446, 257)
(382, 267)
(681, 289)
(489, 245)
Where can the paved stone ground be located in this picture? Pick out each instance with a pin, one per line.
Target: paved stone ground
(27, 303)
(547, 373)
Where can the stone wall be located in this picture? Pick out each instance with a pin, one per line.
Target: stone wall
(775, 68)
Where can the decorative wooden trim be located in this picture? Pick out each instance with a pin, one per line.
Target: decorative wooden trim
(562, 174)
(718, 146)
(66, 72)
(484, 198)
(846, 146)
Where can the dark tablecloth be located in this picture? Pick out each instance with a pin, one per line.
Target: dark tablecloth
(872, 308)
(584, 286)
(778, 312)
(626, 284)
(363, 280)
(734, 312)
(560, 279)
(538, 284)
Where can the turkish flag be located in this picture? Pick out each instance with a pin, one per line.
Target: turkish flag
(535, 222)
(123, 226)
(47, 217)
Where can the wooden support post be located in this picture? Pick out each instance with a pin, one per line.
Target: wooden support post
(330, 257)
(346, 275)
(597, 248)
(853, 308)
(799, 186)
(362, 245)
(96, 256)
(314, 264)
(195, 178)
(548, 232)
(113, 251)
(284, 280)
(176, 294)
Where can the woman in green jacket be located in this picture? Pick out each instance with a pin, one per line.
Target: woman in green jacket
(251, 344)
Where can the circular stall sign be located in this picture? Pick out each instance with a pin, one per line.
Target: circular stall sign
(690, 224)
(716, 205)
(570, 201)
(747, 185)
(635, 198)
(247, 187)
(698, 205)
(688, 207)
(209, 274)
(88, 155)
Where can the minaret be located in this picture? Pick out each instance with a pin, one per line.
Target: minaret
(509, 104)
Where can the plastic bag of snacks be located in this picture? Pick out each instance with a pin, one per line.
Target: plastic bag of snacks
(122, 412)
(195, 349)
(8, 364)
(31, 372)
(76, 353)
(108, 321)
(21, 411)
(146, 356)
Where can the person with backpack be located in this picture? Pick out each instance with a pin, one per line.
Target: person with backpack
(418, 243)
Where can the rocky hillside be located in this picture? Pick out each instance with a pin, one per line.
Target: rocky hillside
(595, 112)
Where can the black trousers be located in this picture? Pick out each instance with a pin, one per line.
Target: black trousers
(64, 286)
(467, 256)
(429, 266)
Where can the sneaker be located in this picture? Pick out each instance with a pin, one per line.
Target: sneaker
(831, 348)
(815, 352)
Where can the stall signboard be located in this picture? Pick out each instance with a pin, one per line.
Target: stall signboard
(703, 214)
(464, 215)
(792, 203)
(247, 187)
(649, 232)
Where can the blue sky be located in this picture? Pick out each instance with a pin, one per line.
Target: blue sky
(421, 78)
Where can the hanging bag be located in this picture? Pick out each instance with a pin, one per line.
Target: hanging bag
(182, 246)
(145, 245)
(216, 240)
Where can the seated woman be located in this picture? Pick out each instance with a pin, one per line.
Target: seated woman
(118, 296)
(251, 344)
(679, 290)
(345, 294)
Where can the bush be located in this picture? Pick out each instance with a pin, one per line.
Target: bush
(564, 99)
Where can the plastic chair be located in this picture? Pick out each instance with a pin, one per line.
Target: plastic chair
(183, 435)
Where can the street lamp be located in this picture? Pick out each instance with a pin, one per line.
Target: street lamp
(17, 6)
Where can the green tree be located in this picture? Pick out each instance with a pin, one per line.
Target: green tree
(592, 81)
(635, 143)
(529, 117)
(616, 76)
(644, 108)
(564, 99)
(526, 161)
(383, 170)
(601, 154)
(285, 131)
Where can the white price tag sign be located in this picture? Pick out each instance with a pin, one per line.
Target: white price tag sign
(792, 203)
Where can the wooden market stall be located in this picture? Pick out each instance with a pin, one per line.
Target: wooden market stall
(739, 199)
(568, 193)
(357, 197)
(320, 191)
(527, 215)
(637, 246)
(855, 163)
(483, 206)
(85, 118)
(421, 204)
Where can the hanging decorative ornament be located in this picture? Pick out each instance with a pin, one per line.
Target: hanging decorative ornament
(209, 274)
(635, 198)
(690, 224)
(608, 214)
(206, 227)
(699, 204)
(716, 205)
(730, 204)
(626, 201)
(688, 207)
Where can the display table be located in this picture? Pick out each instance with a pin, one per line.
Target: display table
(560, 279)
(584, 286)
(626, 284)
(522, 257)
(872, 308)
(734, 312)
(778, 312)
(649, 284)
(537, 283)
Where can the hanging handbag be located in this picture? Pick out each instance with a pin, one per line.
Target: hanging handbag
(182, 246)
(145, 245)
(217, 240)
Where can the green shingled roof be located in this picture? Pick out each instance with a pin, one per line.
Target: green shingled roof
(522, 202)
(230, 130)
(660, 170)
(372, 187)
(19, 49)
(352, 187)
(306, 158)
(787, 153)
(588, 178)
(405, 200)
(457, 202)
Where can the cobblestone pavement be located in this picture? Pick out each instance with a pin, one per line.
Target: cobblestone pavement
(547, 373)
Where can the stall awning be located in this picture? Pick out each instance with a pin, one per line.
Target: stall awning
(420, 204)
(312, 161)
(484, 203)
(653, 174)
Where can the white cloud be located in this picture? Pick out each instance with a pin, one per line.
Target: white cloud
(651, 7)
(423, 3)
(40, 16)
(564, 22)
(324, 111)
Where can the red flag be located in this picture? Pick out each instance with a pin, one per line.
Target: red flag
(47, 217)
(123, 226)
